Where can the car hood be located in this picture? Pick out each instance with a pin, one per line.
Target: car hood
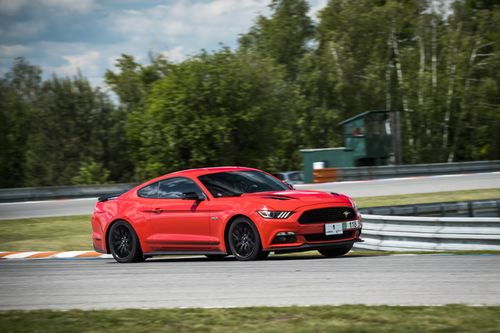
(298, 197)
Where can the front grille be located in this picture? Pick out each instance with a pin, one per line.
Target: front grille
(324, 238)
(331, 214)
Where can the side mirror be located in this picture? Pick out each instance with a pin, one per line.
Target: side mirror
(290, 186)
(192, 196)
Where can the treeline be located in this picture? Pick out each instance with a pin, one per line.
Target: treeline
(285, 87)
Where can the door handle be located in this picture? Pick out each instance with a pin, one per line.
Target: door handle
(157, 211)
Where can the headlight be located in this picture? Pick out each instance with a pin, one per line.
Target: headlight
(354, 205)
(274, 214)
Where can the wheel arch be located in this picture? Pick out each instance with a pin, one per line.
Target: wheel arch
(109, 228)
(228, 225)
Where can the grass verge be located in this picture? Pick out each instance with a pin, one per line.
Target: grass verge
(46, 234)
(348, 318)
(408, 199)
(74, 232)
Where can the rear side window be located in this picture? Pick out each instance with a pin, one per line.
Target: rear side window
(150, 191)
(172, 188)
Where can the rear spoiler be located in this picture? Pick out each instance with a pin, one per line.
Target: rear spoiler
(108, 197)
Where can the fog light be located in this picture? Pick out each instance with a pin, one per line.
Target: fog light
(284, 237)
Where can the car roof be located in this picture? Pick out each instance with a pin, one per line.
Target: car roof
(205, 171)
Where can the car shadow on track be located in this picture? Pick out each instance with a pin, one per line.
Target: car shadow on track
(270, 258)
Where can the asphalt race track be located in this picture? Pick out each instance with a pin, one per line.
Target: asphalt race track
(278, 281)
(393, 186)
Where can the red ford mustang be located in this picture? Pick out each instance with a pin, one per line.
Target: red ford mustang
(223, 211)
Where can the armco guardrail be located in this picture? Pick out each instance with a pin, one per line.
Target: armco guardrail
(60, 192)
(476, 208)
(411, 170)
(407, 233)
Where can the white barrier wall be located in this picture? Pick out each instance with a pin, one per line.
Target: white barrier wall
(408, 233)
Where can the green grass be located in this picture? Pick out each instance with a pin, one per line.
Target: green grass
(46, 234)
(74, 232)
(406, 199)
(348, 318)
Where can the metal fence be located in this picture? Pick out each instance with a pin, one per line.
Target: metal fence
(411, 170)
(407, 233)
(477, 208)
(358, 173)
(60, 192)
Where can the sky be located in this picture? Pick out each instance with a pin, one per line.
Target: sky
(64, 36)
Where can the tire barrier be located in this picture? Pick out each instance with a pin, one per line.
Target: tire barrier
(409, 233)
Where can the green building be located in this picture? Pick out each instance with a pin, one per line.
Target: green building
(367, 142)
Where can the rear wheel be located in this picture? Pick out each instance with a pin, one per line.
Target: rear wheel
(336, 251)
(124, 243)
(244, 240)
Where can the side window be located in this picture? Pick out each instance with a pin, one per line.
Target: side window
(150, 191)
(173, 188)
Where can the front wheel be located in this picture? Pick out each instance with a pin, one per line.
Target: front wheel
(244, 240)
(124, 243)
(336, 251)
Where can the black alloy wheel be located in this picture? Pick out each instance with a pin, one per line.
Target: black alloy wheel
(124, 244)
(244, 240)
(337, 251)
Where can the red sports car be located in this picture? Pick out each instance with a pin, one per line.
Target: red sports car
(223, 211)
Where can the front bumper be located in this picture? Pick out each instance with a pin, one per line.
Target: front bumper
(306, 236)
(310, 247)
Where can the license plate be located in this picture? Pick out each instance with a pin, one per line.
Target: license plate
(338, 228)
(333, 229)
(351, 224)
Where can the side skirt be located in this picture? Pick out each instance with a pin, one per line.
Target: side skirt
(157, 253)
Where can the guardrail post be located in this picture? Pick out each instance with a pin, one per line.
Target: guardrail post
(471, 210)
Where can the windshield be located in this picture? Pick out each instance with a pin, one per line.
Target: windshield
(235, 183)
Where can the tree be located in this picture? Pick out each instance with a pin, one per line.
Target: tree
(131, 84)
(223, 108)
(283, 36)
(68, 129)
(19, 92)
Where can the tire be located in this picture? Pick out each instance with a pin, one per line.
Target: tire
(124, 244)
(337, 251)
(244, 240)
(215, 256)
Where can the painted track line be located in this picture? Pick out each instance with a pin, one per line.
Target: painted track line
(28, 255)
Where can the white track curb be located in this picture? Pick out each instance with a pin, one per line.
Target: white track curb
(54, 255)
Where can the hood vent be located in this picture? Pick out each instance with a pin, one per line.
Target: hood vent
(278, 197)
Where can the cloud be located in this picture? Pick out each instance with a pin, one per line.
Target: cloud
(62, 36)
(14, 51)
(11, 7)
(192, 24)
(86, 61)
(25, 29)
(316, 7)
(80, 6)
(175, 54)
